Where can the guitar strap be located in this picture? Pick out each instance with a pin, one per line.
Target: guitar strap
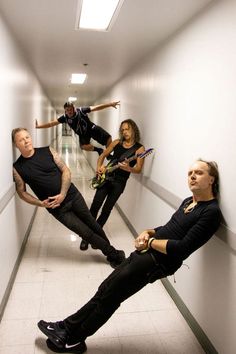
(130, 152)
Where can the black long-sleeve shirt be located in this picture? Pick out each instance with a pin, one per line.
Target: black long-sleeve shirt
(186, 232)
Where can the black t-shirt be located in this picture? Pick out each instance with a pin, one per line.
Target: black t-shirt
(80, 122)
(43, 176)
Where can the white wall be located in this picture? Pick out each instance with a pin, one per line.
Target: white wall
(183, 99)
(21, 100)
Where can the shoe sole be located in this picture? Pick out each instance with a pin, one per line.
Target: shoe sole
(52, 336)
(55, 349)
(84, 247)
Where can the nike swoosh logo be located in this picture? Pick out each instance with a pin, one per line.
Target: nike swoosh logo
(50, 328)
(67, 346)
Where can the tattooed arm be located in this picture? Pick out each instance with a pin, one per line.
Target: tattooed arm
(21, 191)
(65, 180)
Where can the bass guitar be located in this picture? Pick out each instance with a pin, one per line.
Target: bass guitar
(99, 180)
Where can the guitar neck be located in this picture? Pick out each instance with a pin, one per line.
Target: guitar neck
(113, 168)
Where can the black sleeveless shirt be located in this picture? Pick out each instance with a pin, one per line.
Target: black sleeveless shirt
(43, 176)
(119, 150)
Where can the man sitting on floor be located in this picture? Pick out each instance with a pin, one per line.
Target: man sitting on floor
(159, 253)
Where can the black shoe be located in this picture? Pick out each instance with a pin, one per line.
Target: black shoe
(83, 245)
(116, 259)
(78, 348)
(54, 331)
(99, 151)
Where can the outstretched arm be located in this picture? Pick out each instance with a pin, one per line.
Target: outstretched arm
(104, 105)
(46, 125)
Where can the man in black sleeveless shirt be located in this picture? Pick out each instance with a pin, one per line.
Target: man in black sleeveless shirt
(159, 252)
(50, 179)
(78, 120)
(106, 196)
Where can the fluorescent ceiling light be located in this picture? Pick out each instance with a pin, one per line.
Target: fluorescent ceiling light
(72, 99)
(97, 14)
(78, 78)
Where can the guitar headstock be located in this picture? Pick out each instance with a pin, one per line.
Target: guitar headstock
(147, 152)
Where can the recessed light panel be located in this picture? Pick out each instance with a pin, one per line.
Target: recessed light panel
(97, 14)
(78, 78)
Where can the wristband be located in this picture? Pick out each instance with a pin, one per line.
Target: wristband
(150, 242)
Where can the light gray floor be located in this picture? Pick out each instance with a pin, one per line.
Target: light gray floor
(55, 278)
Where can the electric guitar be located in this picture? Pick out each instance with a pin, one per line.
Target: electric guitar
(99, 180)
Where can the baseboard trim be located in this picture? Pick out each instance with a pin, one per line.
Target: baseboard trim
(6, 197)
(193, 324)
(15, 269)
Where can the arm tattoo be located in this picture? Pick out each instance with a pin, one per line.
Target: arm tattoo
(66, 175)
(20, 184)
(57, 159)
(21, 190)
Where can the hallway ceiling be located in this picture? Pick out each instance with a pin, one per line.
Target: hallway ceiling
(45, 32)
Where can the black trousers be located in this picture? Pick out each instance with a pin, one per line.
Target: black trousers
(97, 133)
(110, 193)
(131, 276)
(76, 216)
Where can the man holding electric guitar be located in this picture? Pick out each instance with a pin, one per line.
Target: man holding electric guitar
(109, 192)
(99, 180)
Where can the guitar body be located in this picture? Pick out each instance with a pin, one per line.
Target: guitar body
(99, 181)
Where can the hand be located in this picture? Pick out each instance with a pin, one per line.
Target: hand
(124, 165)
(114, 104)
(141, 242)
(53, 202)
(45, 203)
(101, 170)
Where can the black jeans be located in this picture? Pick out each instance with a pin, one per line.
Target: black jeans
(127, 279)
(76, 216)
(110, 191)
